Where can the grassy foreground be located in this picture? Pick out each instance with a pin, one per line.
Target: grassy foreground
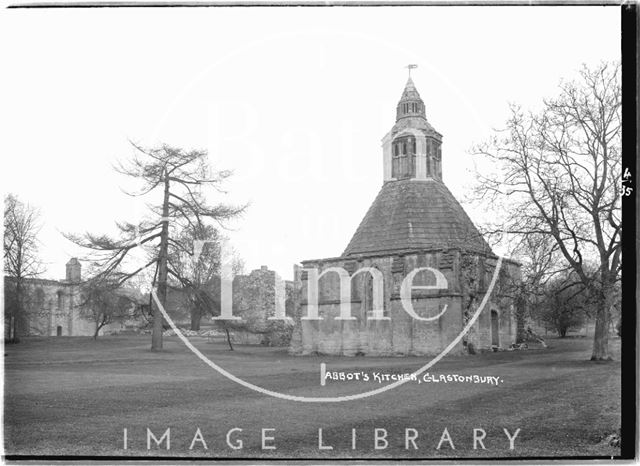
(75, 396)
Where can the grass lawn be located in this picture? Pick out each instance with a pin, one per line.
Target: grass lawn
(74, 396)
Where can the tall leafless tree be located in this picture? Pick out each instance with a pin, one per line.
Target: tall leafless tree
(21, 260)
(180, 177)
(557, 173)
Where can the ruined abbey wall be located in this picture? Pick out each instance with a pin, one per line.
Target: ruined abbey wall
(51, 308)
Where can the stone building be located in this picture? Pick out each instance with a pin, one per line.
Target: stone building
(53, 307)
(414, 222)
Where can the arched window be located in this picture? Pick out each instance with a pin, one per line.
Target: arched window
(495, 328)
(368, 292)
(404, 157)
(39, 299)
(367, 295)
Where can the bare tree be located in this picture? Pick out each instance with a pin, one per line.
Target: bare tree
(556, 173)
(193, 273)
(539, 256)
(199, 277)
(564, 304)
(180, 177)
(21, 260)
(104, 302)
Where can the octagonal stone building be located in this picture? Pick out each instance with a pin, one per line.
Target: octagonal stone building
(414, 223)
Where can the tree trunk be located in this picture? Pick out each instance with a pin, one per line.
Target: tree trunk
(196, 317)
(14, 329)
(95, 334)
(228, 339)
(18, 312)
(601, 333)
(156, 335)
(520, 313)
(12, 318)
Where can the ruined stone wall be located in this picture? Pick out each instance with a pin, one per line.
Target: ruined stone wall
(52, 308)
(254, 298)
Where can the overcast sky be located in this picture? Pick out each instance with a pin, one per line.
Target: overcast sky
(294, 100)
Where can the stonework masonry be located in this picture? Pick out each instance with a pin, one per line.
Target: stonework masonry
(401, 334)
(52, 307)
(413, 222)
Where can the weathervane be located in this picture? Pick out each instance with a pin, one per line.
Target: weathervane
(411, 67)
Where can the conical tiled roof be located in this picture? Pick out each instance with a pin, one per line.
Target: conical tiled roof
(410, 104)
(415, 215)
(410, 92)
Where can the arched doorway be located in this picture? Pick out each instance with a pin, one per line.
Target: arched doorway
(495, 328)
(59, 331)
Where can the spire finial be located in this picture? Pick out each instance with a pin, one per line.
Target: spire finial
(411, 67)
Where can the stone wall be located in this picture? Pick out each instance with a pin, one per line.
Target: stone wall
(254, 299)
(467, 274)
(52, 308)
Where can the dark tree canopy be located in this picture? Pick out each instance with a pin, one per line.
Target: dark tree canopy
(104, 302)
